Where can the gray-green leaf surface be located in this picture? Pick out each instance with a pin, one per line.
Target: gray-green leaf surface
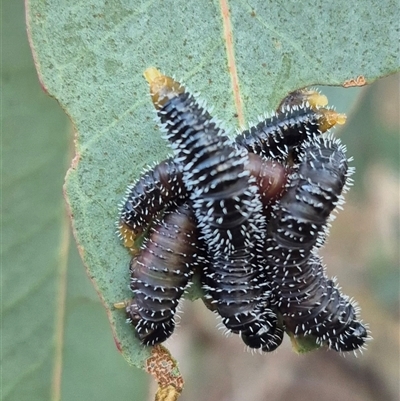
(90, 55)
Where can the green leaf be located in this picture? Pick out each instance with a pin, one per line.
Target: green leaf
(56, 341)
(91, 55)
(34, 159)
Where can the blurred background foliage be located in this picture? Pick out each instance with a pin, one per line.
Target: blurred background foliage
(52, 318)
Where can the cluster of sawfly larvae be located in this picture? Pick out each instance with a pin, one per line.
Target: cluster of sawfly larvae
(247, 216)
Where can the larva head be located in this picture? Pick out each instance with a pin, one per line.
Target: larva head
(315, 99)
(301, 96)
(162, 88)
(129, 237)
(329, 118)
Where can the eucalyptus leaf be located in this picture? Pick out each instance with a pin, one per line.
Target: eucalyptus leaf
(90, 56)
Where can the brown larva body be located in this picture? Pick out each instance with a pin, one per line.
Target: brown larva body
(161, 273)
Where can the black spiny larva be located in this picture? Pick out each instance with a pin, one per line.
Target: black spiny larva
(228, 208)
(311, 304)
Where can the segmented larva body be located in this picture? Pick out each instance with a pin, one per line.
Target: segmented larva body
(161, 273)
(287, 129)
(153, 192)
(310, 303)
(228, 209)
(319, 309)
(314, 189)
